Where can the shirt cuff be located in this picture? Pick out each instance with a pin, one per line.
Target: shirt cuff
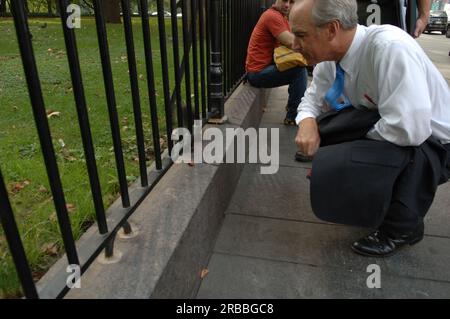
(303, 115)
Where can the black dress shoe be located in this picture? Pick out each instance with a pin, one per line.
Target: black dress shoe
(379, 244)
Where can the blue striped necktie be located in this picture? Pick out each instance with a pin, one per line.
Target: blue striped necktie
(334, 96)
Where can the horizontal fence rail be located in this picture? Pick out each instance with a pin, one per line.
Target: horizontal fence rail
(208, 49)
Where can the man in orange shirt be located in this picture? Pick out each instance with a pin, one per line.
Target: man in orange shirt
(271, 31)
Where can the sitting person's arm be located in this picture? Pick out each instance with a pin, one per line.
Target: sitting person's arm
(279, 29)
(424, 14)
(286, 38)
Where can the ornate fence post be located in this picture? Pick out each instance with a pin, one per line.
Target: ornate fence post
(216, 71)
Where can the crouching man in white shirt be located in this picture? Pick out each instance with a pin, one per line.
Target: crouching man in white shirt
(394, 171)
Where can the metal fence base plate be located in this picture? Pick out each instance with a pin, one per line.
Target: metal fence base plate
(220, 120)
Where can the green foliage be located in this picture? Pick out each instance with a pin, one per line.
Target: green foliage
(20, 154)
(51, 7)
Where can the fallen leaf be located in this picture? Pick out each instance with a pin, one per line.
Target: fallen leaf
(50, 249)
(53, 217)
(42, 189)
(70, 207)
(53, 114)
(37, 275)
(66, 153)
(203, 273)
(18, 186)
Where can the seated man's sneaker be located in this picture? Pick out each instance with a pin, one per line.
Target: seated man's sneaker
(300, 157)
(288, 121)
(379, 244)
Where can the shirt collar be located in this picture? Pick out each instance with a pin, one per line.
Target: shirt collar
(347, 63)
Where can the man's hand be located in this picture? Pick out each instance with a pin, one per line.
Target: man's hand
(308, 138)
(424, 14)
(286, 38)
(421, 24)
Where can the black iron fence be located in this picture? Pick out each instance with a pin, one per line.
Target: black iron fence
(214, 37)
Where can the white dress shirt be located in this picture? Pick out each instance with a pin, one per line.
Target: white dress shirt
(386, 69)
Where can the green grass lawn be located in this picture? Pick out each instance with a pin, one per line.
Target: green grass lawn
(21, 159)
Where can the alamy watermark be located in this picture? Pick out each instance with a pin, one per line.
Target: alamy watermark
(74, 279)
(221, 146)
(374, 280)
(74, 19)
(375, 14)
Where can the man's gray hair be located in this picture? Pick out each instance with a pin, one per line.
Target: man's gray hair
(345, 11)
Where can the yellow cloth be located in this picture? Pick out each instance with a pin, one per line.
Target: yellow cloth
(286, 59)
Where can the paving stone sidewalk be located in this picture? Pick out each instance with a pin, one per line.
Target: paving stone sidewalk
(272, 246)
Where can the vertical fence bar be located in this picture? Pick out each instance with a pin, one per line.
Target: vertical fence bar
(131, 57)
(40, 117)
(187, 72)
(176, 61)
(195, 57)
(223, 19)
(244, 25)
(165, 71)
(225, 49)
(217, 102)
(233, 45)
(83, 117)
(241, 24)
(208, 53)
(202, 55)
(111, 101)
(15, 244)
(151, 82)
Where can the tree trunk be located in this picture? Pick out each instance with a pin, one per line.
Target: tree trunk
(111, 10)
(49, 7)
(2, 8)
(58, 9)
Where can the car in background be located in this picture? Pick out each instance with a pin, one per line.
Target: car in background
(437, 21)
(155, 14)
(133, 14)
(447, 32)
